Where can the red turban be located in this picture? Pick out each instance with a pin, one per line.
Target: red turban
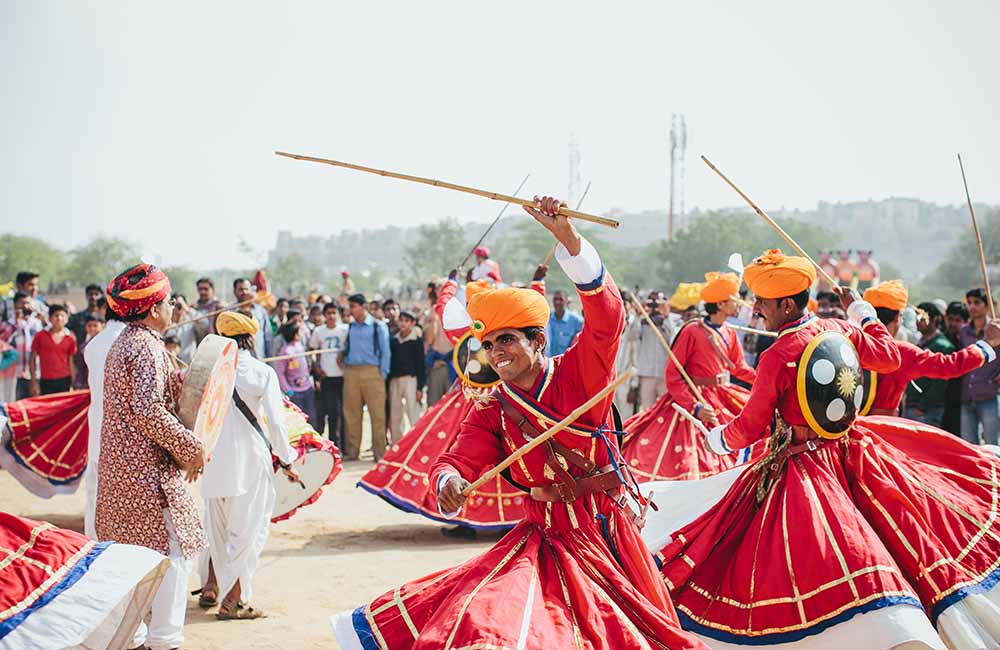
(137, 289)
(481, 251)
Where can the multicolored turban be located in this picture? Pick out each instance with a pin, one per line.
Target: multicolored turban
(136, 289)
(888, 295)
(776, 275)
(720, 287)
(497, 309)
(232, 323)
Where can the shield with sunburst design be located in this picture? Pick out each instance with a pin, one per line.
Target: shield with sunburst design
(829, 384)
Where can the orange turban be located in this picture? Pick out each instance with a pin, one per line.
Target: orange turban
(720, 287)
(496, 309)
(231, 323)
(888, 295)
(775, 275)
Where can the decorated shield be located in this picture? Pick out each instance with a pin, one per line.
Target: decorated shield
(208, 388)
(829, 384)
(869, 380)
(469, 360)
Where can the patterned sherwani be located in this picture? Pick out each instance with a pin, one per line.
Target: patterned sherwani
(140, 439)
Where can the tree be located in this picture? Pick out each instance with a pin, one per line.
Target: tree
(182, 280)
(293, 273)
(100, 260)
(19, 253)
(436, 249)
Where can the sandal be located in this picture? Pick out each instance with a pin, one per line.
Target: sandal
(207, 598)
(241, 614)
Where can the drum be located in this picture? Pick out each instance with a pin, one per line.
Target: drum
(207, 392)
(318, 463)
(470, 362)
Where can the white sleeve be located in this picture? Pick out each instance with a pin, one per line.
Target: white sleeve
(860, 311)
(584, 268)
(274, 413)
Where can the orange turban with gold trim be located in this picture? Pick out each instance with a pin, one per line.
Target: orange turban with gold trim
(776, 275)
(497, 309)
(888, 295)
(720, 287)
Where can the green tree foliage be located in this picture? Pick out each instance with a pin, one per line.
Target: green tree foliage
(960, 269)
(19, 253)
(293, 274)
(436, 249)
(99, 260)
(182, 280)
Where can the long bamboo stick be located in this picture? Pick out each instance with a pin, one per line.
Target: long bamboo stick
(309, 353)
(666, 346)
(552, 251)
(979, 243)
(771, 222)
(751, 330)
(495, 196)
(495, 222)
(542, 438)
(188, 321)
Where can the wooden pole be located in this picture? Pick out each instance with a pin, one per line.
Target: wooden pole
(552, 251)
(495, 222)
(666, 346)
(979, 243)
(751, 330)
(771, 222)
(310, 353)
(216, 312)
(582, 216)
(542, 438)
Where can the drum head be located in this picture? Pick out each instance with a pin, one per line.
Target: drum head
(314, 468)
(208, 388)
(829, 384)
(469, 360)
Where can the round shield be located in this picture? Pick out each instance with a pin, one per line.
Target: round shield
(469, 360)
(208, 388)
(869, 380)
(829, 384)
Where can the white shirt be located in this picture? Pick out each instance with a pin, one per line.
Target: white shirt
(95, 354)
(327, 338)
(240, 456)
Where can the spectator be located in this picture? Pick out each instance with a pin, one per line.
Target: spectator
(244, 291)
(24, 325)
(375, 309)
(182, 330)
(366, 367)
(331, 335)
(407, 375)
(26, 282)
(52, 353)
(316, 318)
(293, 316)
(390, 311)
(979, 392)
(78, 321)
(440, 372)
(279, 316)
(92, 326)
(564, 325)
(293, 374)
(651, 357)
(172, 344)
(207, 303)
(927, 404)
(956, 316)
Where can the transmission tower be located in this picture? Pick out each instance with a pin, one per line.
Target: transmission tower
(575, 180)
(678, 152)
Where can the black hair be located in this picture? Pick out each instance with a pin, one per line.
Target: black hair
(957, 309)
(828, 296)
(243, 341)
(281, 300)
(977, 293)
(20, 294)
(711, 308)
(207, 281)
(135, 318)
(330, 306)
(406, 314)
(171, 340)
(313, 308)
(109, 313)
(357, 299)
(91, 317)
(55, 309)
(238, 281)
(930, 309)
(289, 331)
(25, 276)
(801, 299)
(94, 287)
(531, 333)
(388, 301)
(179, 295)
(886, 315)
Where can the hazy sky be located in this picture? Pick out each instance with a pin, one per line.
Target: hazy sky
(156, 121)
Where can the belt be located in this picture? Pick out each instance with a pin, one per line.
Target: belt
(802, 434)
(808, 445)
(721, 379)
(882, 412)
(583, 487)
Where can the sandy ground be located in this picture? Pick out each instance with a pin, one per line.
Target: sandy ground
(333, 555)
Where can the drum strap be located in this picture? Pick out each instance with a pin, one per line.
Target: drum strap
(248, 414)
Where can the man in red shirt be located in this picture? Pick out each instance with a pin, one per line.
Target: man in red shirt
(54, 349)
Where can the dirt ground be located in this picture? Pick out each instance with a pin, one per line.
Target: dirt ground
(333, 555)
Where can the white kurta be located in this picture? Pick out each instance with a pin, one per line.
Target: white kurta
(238, 481)
(95, 354)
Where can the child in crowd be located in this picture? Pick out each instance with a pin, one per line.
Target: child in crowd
(52, 350)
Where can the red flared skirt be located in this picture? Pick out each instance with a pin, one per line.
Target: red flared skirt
(47, 435)
(894, 513)
(401, 477)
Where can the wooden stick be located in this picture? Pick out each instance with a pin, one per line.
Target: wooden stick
(979, 243)
(751, 330)
(310, 353)
(552, 251)
(216, 312)
(771, 222)
(495, 222)
(582, 216)
(666, 346)
(542, 438)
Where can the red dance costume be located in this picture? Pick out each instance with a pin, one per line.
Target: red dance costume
(862, 542)
(402, 476)
(662, 445)
(570, 574)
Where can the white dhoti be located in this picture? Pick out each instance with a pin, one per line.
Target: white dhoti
(165, 628)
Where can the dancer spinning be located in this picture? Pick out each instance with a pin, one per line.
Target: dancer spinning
(840, 537)
(574, 573)
(664, 446)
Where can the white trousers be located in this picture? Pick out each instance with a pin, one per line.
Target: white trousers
(165, 628)
(90, 508)
(650, 390)
(237, 530)
(400, 389)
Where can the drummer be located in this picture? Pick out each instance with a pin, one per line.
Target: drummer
(141, 498)
(238, 486)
